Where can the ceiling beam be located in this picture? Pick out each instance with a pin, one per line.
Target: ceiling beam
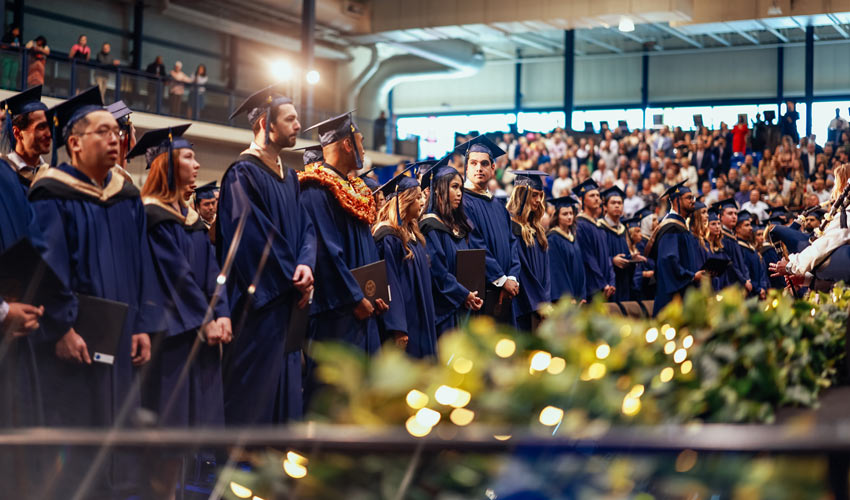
(800, 25)
(750, 38)
(598, 43)
(529, 43)
(678, 34)
(773, 31)
(837, 25)
(630, 36)
(719, 39)
(497, 52)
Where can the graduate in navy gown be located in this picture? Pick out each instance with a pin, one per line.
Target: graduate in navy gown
(262, 381)
(446, 230)
(674, 249)
(645, 278)
(737, 272)
(95, 228)
(206, 203)
(633, 238)
(26, 135)
(527, 207)
(769, 255)
(698, 225)
(184, 382)
(566, 265)
(491, 228)
(617, 244)
(598, 266)
(410, 321)
(752, 259)
(342, 210)
(714, 243)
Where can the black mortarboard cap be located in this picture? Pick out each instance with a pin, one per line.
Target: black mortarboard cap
(312, 154)
(64, 115)
(643, 212)
(744, 216)
(727, 203)
(25, 102)
(336, 128)
(207, 191)
(777, 210)
(585, 187)
(19, 104)
(531, 178)
(676, 190)
(119, 110)
(371, 183)
(159, 141)
(401, 182)
(816, 212)
(713, 213)
(563, 201)
(700, 205)
(613, 191)
(633, 222)
(478, 144)
(261, 103)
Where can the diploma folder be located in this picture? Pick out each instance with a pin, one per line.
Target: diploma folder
(372, 279)
(100, 322)
(471, 270)
(25, 277)
(716, 265)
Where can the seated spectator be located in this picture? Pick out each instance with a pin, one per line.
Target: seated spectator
(755, 206)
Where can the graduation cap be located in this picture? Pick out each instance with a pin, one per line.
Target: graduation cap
(563, 201)
(633, 222)
(778, 214)
(206, 192)
(816, 212)
(700, 205)
(585, 187)
(478, 144)
(19, 104)
(400, 183)
(64, 115)
(643, 213)
(120, 112)
(336, 129)
(313, 154)
(713, 214)
(676, 190)
(744, 216)
(530, 178)
(159, 141)
(432, 170)
(723, 204)
(613, 191)
(262, 102)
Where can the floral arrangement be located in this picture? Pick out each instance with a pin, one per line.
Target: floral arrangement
(353, 195)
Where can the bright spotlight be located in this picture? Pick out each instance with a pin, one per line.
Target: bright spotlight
(281, 70)
(626, 24)
(312, 77)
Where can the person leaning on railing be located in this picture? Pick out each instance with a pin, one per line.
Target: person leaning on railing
(38, 52)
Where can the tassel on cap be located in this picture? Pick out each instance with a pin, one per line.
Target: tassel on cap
(171, 182)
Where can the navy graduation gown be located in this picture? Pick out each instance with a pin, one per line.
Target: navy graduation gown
(187, 269)
(344, 242)
(534, 288)
(676, 253)
(442, 246)
(97, 244)
(262, 383)
(566, 266)
(644, 288)
(598, 268)
(412, 307)
(737, 272)
(491, 231)
(615, 242)
(755, 267)
(771, 256)
(20, 398)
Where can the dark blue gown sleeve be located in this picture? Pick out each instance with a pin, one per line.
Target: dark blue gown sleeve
(392, 251)
(149, 318)
(445, 283)
(672, 275)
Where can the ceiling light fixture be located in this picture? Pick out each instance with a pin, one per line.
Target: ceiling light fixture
(626, 24)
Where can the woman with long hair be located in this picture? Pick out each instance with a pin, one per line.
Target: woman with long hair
(527, 208)
(714, 245)
(184, 385)
(410, 321)
(566, 265)
(446, 230)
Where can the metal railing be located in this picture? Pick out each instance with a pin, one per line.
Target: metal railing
(63, 77)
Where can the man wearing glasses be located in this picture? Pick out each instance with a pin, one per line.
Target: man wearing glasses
(26, 133)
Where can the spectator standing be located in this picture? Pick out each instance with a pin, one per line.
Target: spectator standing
(199, 79)
(788, 125)
(81, 52)
(38, 52)
(157, 69)
(11, 62)
(104, 58)
(836, 127)
(739, 136)
(176, 88)
(755, 206)
(562, 185)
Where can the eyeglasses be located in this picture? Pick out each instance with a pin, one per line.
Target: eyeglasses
(106, 133)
